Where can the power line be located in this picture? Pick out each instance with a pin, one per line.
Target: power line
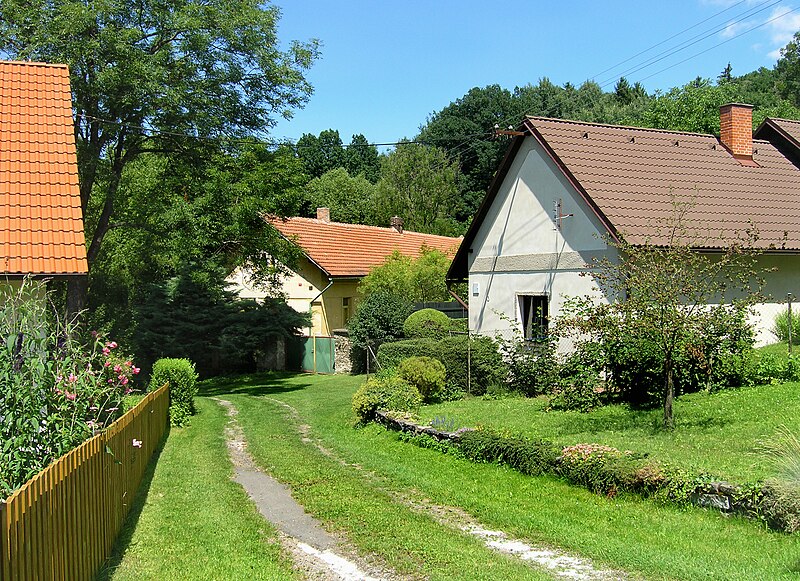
(721, 43)
(611, 68)
(689, 42)
(153, 132)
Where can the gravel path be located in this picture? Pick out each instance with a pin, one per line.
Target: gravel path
(315, 552)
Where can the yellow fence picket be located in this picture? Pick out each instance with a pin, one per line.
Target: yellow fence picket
(62, 523)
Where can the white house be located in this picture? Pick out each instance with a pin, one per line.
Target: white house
(565, 186)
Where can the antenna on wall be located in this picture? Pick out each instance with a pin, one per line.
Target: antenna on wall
(558, 214)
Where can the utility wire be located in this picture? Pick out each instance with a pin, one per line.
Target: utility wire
(688, 43)
(721, 43)
(666, 40)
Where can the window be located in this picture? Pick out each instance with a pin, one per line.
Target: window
(346, 309)
(533, 313)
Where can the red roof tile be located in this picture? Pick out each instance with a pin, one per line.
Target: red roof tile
(41, 227)
(629, 173)
(350, 250)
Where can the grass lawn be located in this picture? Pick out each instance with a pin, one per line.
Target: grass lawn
(718, 432)
(658, 542)
(190, 521)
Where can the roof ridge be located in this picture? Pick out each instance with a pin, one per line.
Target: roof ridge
(782, 119)
(363, 226)
(612, 126)
(35, 64)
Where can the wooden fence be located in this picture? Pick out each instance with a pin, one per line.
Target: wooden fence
(62, 523)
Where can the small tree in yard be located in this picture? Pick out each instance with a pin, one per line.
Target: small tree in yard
(668, 294)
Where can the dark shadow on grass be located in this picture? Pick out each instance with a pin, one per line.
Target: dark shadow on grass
(123, 540)
(270, 382)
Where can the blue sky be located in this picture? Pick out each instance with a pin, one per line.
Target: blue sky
(387, 65)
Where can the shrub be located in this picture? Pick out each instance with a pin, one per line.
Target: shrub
(780, 326)
(182, 379)
(576, 393)
(390, 393)
(528, 456)
(487, 366)
(391, 354)
(472, 363)
(427, 324)
(532, 365)
(425, 373)
(379, 318)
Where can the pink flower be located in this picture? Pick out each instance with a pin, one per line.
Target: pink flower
(73, 378)
(107, 364)
(128, 363)
(124, 380)
(135, 370)
(106, 350)
(112, 344)
(58, 391)
(117, 369)
(59, 379)
(94, 334)
(111, 380)
(137, 443)
(70, 396)
(128, 390)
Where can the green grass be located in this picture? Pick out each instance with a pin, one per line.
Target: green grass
(190, 521)
(659, 542)
(718, 433)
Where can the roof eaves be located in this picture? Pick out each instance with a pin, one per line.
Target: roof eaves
(305, 253)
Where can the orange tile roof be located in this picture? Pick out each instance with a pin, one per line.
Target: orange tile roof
(41, 227)
(350, 250)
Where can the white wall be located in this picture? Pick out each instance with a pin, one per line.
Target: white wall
(518, 249)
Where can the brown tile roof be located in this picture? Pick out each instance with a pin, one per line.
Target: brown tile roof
(789, 127)
(350, 250)
(41, 228)
(628, 174)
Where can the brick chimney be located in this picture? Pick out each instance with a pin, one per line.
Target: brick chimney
(736, 130)
(397, 223)
(324, 214)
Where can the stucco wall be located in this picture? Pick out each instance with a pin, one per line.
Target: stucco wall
(519, 250)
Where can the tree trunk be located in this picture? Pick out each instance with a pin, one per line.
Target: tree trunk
(669, 395)
(77, 294)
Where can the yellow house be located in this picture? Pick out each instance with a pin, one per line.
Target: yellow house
(336, 257)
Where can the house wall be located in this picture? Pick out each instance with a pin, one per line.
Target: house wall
(301, 287)
(518, 249)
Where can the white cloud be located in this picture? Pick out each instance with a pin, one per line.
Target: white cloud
(734, 28)
(783, 23)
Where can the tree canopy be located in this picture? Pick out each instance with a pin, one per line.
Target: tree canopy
(153, 76)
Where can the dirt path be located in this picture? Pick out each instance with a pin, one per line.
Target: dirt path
(559, 563)
(316, 553)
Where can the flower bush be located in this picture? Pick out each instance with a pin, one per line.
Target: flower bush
(55, 390)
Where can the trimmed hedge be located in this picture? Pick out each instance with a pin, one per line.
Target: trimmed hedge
(427, 324)
(182, 379)
(488, 368)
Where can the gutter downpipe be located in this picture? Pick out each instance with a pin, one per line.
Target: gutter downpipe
(311, 310)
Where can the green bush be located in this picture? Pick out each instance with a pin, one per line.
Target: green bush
(391, 354)
(425, 373)
(427, 324)
(459, 326)
(487, 366)
(390, 393)
(531, 457)
(182, 379)
(461, 353)
(780, 326)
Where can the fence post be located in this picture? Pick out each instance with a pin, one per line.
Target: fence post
(5, 573)
(789, 300)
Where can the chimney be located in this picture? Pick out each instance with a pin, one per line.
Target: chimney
(736, 130)
(324, 214)
(397, 223)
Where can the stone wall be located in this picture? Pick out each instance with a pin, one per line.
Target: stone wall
(342, 347)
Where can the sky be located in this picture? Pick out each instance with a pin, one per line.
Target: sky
(386, 65)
